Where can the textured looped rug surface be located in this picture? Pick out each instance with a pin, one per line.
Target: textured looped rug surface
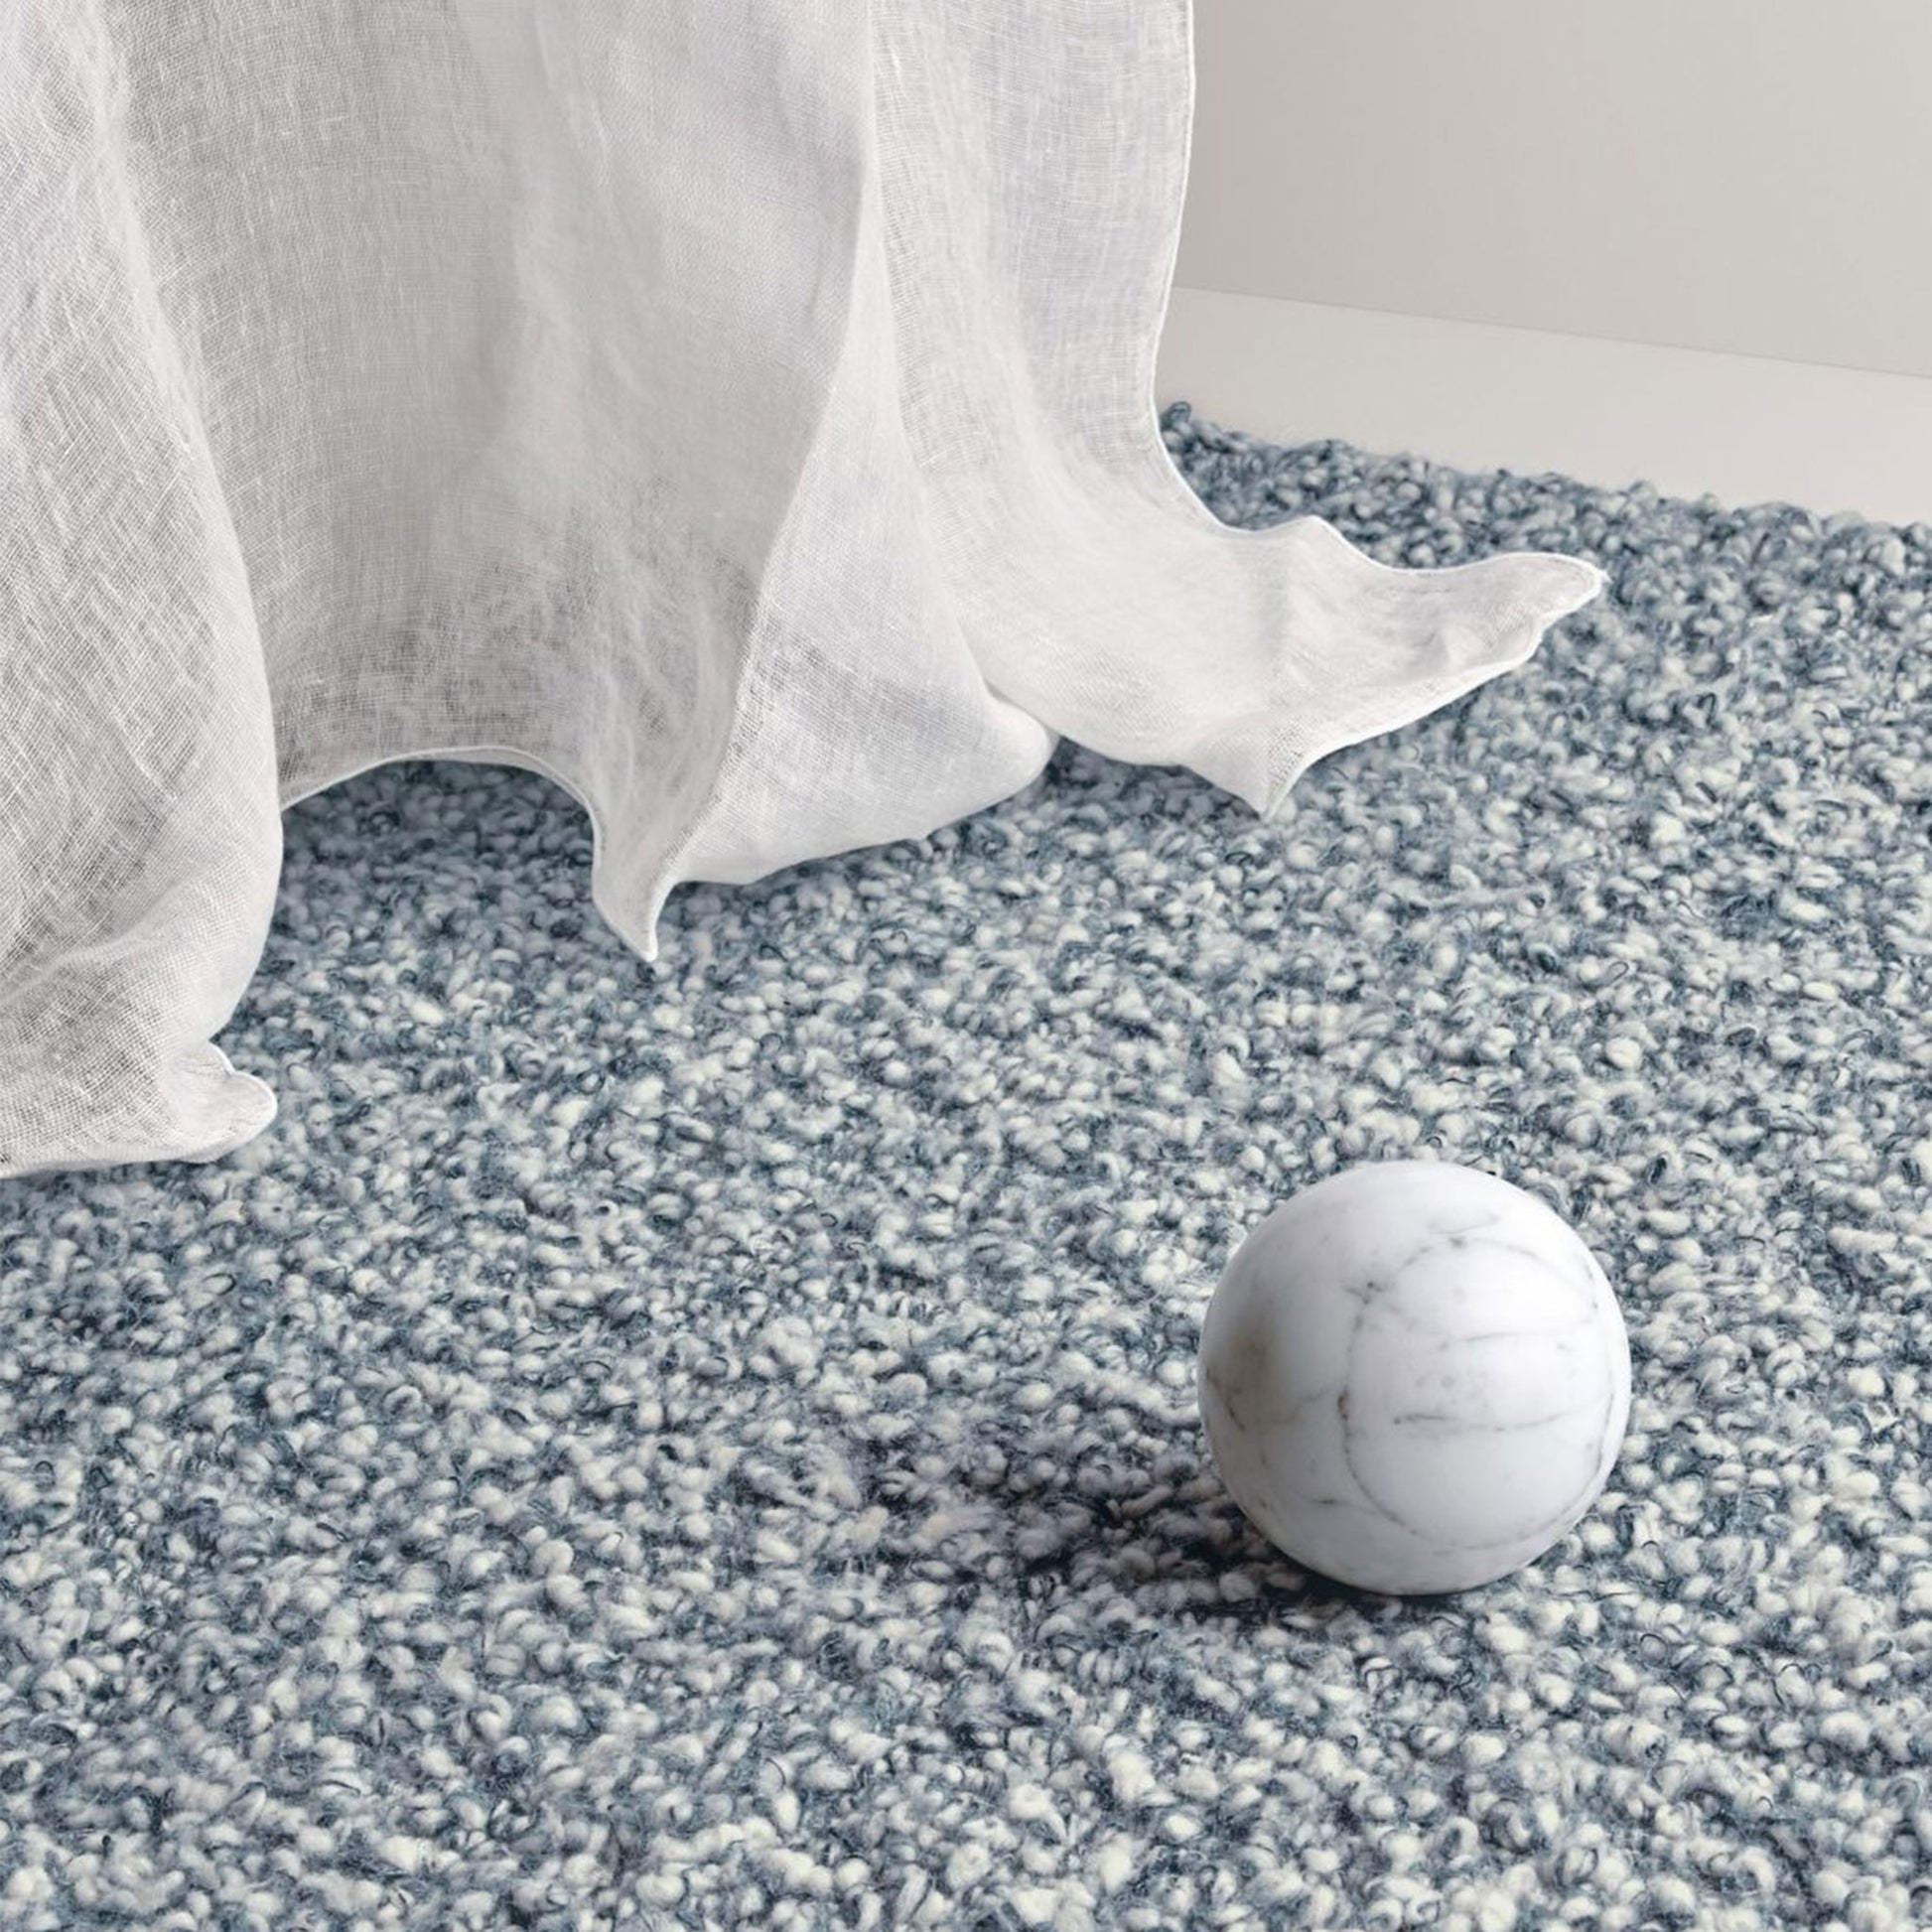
(714, 1444)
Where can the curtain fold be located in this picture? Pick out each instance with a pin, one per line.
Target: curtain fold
(741, 412)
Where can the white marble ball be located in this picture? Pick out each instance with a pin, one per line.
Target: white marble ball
(1414, 1377)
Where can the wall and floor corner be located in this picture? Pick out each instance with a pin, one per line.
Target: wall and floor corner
(1678, 244)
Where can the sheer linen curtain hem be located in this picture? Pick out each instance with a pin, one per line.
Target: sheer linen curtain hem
(1100, 592)
(1559, 586)
(219, 1109)
(741, 416)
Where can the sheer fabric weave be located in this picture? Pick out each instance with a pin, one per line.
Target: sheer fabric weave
(739, 410)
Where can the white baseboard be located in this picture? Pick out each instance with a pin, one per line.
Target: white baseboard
(1745, 429)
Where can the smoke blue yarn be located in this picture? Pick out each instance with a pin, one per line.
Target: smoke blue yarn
(714, 1444)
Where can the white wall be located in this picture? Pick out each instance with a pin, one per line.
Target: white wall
(1730, 177)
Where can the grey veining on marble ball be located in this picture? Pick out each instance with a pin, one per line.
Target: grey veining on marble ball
(1415, 1377)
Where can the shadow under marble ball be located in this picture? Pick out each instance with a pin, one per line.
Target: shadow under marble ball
(1415, 1377)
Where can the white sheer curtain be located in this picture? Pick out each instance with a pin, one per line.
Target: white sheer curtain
(739, 410)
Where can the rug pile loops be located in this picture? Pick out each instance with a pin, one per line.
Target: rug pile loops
(714, 1444)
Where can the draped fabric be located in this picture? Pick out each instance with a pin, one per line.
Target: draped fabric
(741, 411)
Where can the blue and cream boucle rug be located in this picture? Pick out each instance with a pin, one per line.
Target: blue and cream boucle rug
(714, 1444)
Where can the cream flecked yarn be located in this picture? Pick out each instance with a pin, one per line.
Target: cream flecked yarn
(714, 1444)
